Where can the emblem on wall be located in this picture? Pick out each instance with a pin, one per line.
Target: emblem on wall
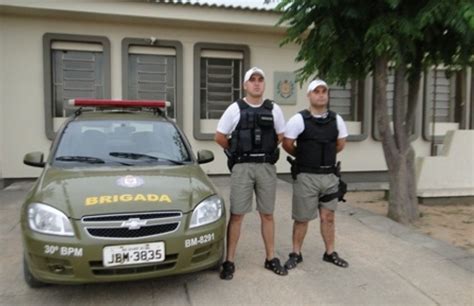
(284, 87)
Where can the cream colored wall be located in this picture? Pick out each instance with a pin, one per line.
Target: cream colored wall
(129, 10)
(2, 68)
(22, 98)
(452, 172)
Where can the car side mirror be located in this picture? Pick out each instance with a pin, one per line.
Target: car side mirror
(34, 159)
(205, 156)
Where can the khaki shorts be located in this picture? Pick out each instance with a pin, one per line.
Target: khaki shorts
(247, 178)
(307, 190)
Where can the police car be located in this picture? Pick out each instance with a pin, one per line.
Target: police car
(121, 197)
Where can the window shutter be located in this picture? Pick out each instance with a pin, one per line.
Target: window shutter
(152, 77)
(342, 99)
(442, 93)
(76, 74)
(221, 80)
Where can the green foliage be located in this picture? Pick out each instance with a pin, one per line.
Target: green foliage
(340, 39)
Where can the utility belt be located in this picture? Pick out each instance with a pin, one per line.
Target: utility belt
(296, 169)
(317, 170)
(255, 158)
(233, 158)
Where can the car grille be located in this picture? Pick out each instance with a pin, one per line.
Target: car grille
(128, 233)
(132, 226)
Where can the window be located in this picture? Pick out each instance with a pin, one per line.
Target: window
(390, 94)
(343, 100)
(119, 142)
(78, 71)
(152, 75)
(349, 102)
(443, 93)
(218, 76)
(444, 102)
(390, 91)
(221, 82)
(153, 71)
(74, 66)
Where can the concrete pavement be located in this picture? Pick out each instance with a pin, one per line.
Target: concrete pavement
(390, 264)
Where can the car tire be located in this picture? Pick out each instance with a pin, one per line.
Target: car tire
(30, 280)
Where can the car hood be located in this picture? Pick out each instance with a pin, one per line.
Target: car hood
(95, 191)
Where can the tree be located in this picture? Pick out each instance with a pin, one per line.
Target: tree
(350, 39)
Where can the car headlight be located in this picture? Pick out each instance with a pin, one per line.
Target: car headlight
(48, 220)
(207, 211)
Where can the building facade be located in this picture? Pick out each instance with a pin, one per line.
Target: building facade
(193, 55)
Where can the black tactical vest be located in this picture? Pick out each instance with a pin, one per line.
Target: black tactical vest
(316, 146)
(255, 133)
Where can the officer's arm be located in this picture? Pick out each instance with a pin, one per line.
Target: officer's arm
(289, 146)
(222, 140)
(341, 142)
(280, 138)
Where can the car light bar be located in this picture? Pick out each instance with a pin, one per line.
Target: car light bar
(119, 103)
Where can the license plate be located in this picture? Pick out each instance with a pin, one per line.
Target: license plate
(132, 254)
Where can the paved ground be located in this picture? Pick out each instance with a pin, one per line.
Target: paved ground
(390, 265)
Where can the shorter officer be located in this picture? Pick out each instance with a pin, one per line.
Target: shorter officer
(314, 136)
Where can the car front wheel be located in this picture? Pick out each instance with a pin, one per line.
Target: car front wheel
(32, 281)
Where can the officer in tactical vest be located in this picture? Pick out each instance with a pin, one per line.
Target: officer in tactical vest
(314, 136)
(249, 131)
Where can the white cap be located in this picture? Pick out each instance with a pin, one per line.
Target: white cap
(252, 71)
(315, 83)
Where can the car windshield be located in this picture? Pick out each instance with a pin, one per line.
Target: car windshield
(120, 142)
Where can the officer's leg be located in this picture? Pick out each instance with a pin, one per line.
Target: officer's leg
(268, 234)
(327, 228)
(265, 190)
(304, 207)
(241, 193)
(327, 209)
(299, 232)
(328, 232)
(233, 235)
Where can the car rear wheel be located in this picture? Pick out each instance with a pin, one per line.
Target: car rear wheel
(32, 281)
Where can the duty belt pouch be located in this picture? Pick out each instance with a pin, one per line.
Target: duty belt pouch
(230, 159)
(275, 156)
(339, 194)
(294, 167)
(342, 190)
(234, 141)
(245, 140)
(342, 187)
(265, 121)
(257, 139)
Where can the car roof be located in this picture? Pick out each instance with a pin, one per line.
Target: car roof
(120, 115)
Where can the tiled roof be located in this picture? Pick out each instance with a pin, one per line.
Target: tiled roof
(254, 5)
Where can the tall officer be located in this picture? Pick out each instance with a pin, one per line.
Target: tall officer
(249, 131)
(314, 136)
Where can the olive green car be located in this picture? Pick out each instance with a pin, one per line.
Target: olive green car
(121, 197)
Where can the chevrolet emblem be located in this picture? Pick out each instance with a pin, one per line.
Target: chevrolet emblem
(133, 223)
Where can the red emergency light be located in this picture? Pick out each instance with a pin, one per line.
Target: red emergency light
(119, 103)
